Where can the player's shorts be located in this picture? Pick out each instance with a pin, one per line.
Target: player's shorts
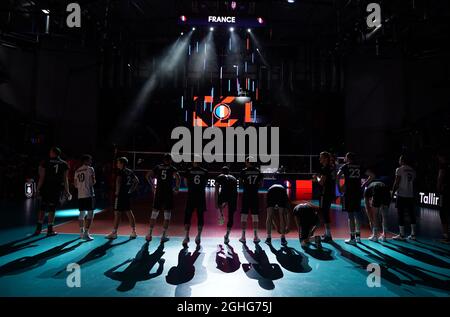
(308, 219)
(381, 197)
(122, 203)
(163, 199)
(86, 204)
(196, 201)
(250, 201)
(351, 202)
(280, 201)
(444, 210)
(404, 203)
(50, 199)
(231, 200)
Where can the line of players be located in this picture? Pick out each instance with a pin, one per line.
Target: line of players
(53, 182)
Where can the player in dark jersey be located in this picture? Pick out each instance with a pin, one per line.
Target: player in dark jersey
(226, 196)
(306, 217)
(351, 191)
(277, 200)
(53, 186)
(163, 199)
(377, 198)
(126, 184)
(327, 192)
(196, 178)
(443, 187)
(250, 181)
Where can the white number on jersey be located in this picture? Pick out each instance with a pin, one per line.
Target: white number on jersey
(197, 179)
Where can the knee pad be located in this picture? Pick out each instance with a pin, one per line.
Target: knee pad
(90, 214)
(82, 215)
(155, 214)
(255, 218)
(167, 215)
(244, 217)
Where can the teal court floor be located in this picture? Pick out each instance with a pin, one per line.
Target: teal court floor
(37, 266)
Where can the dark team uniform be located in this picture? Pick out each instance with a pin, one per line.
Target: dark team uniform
(164, 188)
(307, 218)
(277, 196)
(250, 179)
(352, 194)
(327, 194)
(53, 183)
(228, 194)
(197, 178)
(379, 193)
(122, 201)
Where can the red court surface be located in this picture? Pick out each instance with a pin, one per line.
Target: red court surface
(142, 209)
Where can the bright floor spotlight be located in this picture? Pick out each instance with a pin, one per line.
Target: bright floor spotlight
(211, 29)
(232, 29)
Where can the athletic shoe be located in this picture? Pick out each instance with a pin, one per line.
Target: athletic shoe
(87, 237)
(185, 241)
(326, 239)
(383, 238)
(148, 237)
(242, 239)
(221, 220)
(412, 237)
(358, 239)
(164, 239)
(51, 233)
(318, 242)
(283, 241)
(351, 241)
(268, 241)
(133, 235)
(226, 239)
(111, 236)
(373, 238)
(256, 240)
(82, 235)
(399, 237)
(197, 240)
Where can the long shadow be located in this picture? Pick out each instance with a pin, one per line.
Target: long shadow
(227, 261)
(30, 262)
(432, 247)
(323, 254)
(417, 255)
(185, 289)
(361, 263)
(94, 254)
(418, 274)
(138, 269)
(291, 259)
(185, 269)
(259, 267)
(12, 247)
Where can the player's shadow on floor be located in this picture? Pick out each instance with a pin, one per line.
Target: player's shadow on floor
(259, 267)
(291, 259)
(416, 275)
(416, 254)
(13, 246)
(31, 262)
(185, 269)
(138, 269)
(93, 255)
(436, 249)
(323, 254)
(227, 260)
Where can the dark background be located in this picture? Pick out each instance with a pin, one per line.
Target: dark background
(326, 84)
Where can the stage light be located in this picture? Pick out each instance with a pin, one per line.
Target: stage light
(181, 33)
(232, 29)
(211, 29)
(46, 11)
(233, 5)
(291, 1)
(249, 30)
(260, 20)
(193, 29)
(183, 18)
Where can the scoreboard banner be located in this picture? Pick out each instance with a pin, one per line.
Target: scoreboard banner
(216, 20)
